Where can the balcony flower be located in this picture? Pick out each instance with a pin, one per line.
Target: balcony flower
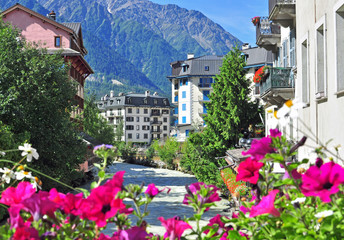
(255, 20)
(260, 74)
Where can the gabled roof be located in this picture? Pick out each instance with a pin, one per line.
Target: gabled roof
(17, 6)
(257, 56)
(74, 26)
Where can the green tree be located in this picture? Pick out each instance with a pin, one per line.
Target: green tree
(36, 97)
(119, 131)
(167, 151)
(95, 125)
(230, 109)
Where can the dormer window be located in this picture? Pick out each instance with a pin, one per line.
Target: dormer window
(57, 41)
(206, 68)
(118, 101)
(155, 101)
(185, 67)
(129, 100)
(145, 101)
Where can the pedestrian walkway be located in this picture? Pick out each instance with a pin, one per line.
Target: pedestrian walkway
(165, 205)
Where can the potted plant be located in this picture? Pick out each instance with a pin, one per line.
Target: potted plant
(255, 20)
(261, 74)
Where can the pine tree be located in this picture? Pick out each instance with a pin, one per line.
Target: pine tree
(230, 110)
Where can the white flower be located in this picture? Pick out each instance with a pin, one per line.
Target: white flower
(28, 151)
(2, 153)
(7, 174)
(299, 200)
(23, 174)
(324, 214)
(36, 183)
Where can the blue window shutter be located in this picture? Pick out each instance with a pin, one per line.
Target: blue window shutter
(183, 119)
(184, 107)
(184, 94)
(187, 133)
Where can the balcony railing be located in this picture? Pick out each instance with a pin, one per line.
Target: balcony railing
(156, 114)
(282, 12)
(268, 34)
(156, 122)
(204, 98)
(279, 78)
(156, 131)
(204, 85)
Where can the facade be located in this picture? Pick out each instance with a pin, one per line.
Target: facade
(277, 33)
(320, 45)
(62, 38)
(144, 117)
(191, 81)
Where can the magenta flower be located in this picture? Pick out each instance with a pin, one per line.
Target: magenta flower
(16, 195)
(248, 171)
(71, 204)
(116, 182)
(294, 173)
(266, 205)
(134, 233)
(259, 148)
(174, 228)
(152, 190)
(217, 220)
(275, 133)
(323, 181)
(15, 218)
(39, 204)
(25, 233)
(244, 209)
(194, 188)
(102, 205)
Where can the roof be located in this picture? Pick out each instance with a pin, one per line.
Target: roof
(74, 26)
(200, 66)
(258, 56)
(134, 100)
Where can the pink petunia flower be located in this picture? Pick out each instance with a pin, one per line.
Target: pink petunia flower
(16, 195)
(116, 181)
(259, 148)
(244, 209)
(152, 190)
(134, 233)
(323, 181)
(248, 171)
(275, 133)
(174, 228)
(266, 205)
(25, 233)
(195, 188)
(102, 205)
(15, 218)
(71, 204)
(217, 220)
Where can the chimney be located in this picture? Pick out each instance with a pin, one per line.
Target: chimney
(147, 93)
(245, 46)
(52, 15)
(190, 55)
(111, 94)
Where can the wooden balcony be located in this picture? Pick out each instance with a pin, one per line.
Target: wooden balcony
(278, 86)
(282, 12)
(268, 34)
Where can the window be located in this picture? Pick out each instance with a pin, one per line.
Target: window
(57, 41)
(137, 119)
(155, 101)
(205, 82)
(145, 111)
(206, 95)
(145, 127)
(320, 59)
(138, 111)
(130, 110)
(137, 136)
(137, 127)
(304, 71)
(165, 135)
(130, 135)
(185, 82)
(339, 35)
(183, 107)
(183, 119)
(292, 48)
(158, 136)
(129, 127)
(146, 119)
(165, 128)
(183, 94)
(285, 54)
(206, 68)
(165, 111)
(165, 119)
(145, 136)
(187, 133)
(129, 119)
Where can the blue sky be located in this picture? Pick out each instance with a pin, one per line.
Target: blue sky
(233, 15)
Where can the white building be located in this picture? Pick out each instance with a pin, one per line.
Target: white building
(320, 45)
(192, 80)
(277, 32)
(145, 117)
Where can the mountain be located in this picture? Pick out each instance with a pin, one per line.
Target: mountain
(132, 42)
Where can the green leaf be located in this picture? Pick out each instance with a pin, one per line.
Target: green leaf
(101, 174)
(287, 181)
(93, 185)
